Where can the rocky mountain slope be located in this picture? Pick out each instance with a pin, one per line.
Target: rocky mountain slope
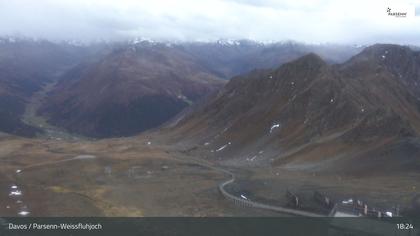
(132, 89)
(359, 116)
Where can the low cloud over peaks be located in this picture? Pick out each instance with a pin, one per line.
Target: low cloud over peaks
(267, 20)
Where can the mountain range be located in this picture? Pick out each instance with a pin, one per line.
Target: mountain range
(121, 89)
(358, 116)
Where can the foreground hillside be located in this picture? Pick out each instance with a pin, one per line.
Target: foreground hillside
(349, 130)
(129, 177)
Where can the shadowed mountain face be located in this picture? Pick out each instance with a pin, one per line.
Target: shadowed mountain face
(25, 66)
(359, 116)
(130, 90)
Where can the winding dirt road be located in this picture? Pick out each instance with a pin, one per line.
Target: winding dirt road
(246, 202)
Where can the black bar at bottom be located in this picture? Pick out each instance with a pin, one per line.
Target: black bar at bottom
(186, 226)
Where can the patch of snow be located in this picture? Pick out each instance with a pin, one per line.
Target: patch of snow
(142, 40)
(388, 213)
(24, 213)
(228, 42)
(81, 157)
(15, 193)
(273, 127)
(184, 98)
(222, 147)
(349, 201)
(74, 43)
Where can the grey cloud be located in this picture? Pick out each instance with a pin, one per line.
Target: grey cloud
(268, 20)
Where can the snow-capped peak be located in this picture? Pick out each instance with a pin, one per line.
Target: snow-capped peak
(228, 42)
(138, 40)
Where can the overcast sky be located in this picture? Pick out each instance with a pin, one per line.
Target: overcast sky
(319, 21)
